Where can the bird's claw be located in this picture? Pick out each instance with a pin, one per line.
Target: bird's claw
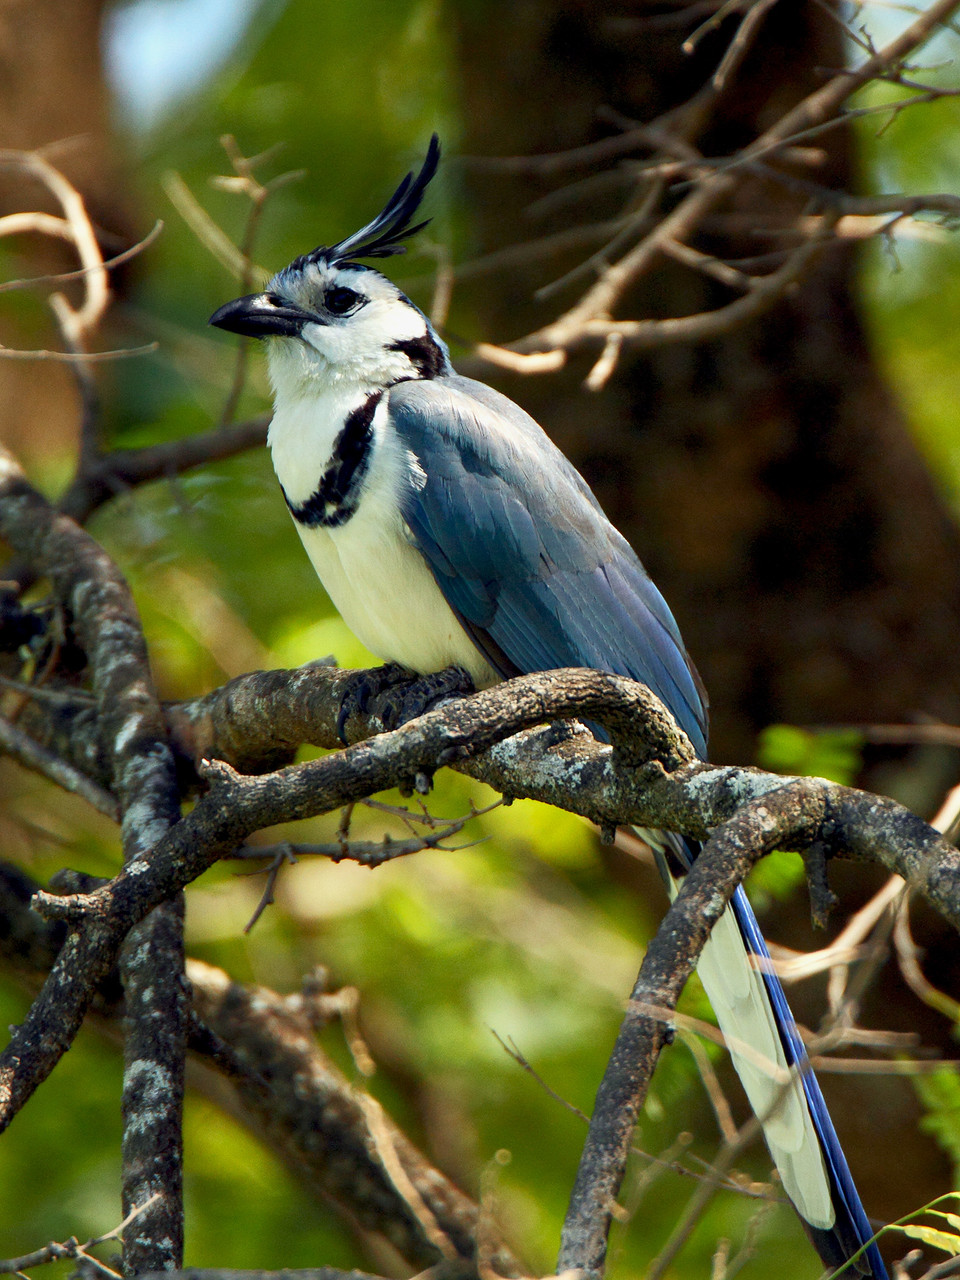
(366, 685)
(400, 695)
(407, 701)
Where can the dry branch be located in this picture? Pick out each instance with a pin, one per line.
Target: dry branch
(123, 469)
(57, 1251)
(711, 181)
(286, 1089)
(256, 720)
(255, 1054)
(778, 821)
(22, 748)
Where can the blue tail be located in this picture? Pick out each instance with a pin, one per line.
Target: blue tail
(756, 1012)
(851, 1229)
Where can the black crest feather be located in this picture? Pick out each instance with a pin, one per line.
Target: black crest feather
(384, 235)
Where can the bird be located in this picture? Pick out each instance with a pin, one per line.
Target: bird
(450, 532)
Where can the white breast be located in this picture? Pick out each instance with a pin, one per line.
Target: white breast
(374, 574)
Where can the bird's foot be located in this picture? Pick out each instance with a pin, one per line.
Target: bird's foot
(394, 694)
(405, 702)
(366, 685)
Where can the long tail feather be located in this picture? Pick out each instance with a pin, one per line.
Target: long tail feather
(775, 1071)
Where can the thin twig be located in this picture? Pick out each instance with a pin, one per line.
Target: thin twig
(57, 1251)
(516, 361)
(738, 47)
(367, 853)
(77, 323)
(245, 182)
(78, 357)
(64, 277)
(718, 1099)
(908, 959)
(206, 230)
(31, 755)
(61, 697)
(666, 1162)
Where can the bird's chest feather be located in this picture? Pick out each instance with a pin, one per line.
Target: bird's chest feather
(355, 535)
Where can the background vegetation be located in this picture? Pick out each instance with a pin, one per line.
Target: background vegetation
(532, 936)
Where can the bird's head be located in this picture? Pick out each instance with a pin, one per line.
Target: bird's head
(330, 318)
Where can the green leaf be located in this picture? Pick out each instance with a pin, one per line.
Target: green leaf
(930, 1235)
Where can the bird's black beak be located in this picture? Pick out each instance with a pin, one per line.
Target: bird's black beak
(262, 315)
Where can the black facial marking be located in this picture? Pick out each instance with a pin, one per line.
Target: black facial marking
(337, 496)
(423, 353)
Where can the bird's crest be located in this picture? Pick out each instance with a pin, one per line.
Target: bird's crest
(384, 235)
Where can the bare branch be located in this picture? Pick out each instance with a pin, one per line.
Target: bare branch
(669, 961)
(44, 224)
(144, 780)
(123, 469)
(47, 223)
(737, 49)
(243, 181)
(299, 1101)
(77, 324)
(908, 958)
(77, 357)
(72, 1248)
(207, 232)
(31, 755)
(520, 362)
(591, 317)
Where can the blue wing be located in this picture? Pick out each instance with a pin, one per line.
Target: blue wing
(522, 551)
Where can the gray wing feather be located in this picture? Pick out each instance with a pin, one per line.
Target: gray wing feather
(522, 551)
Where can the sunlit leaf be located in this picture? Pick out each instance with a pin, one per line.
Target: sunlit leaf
(930, 1235)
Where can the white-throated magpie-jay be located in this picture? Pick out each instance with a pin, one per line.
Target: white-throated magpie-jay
(449, 530)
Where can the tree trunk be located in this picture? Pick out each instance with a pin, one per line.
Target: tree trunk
(768, 479)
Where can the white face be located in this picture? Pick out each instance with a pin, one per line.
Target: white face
(361, 317)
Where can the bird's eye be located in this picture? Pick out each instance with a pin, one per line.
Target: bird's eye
(340, 300)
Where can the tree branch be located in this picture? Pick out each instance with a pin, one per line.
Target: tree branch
(143, 777)
(255, 1054)
(780, 820)
(590, 318)
(123, 469)
(647, 778)
(302, 1106)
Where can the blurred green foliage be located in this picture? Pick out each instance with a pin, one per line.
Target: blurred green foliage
(835, 755)
(939, 1093)
(911, 286)
(786, 748)
(526, 936)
